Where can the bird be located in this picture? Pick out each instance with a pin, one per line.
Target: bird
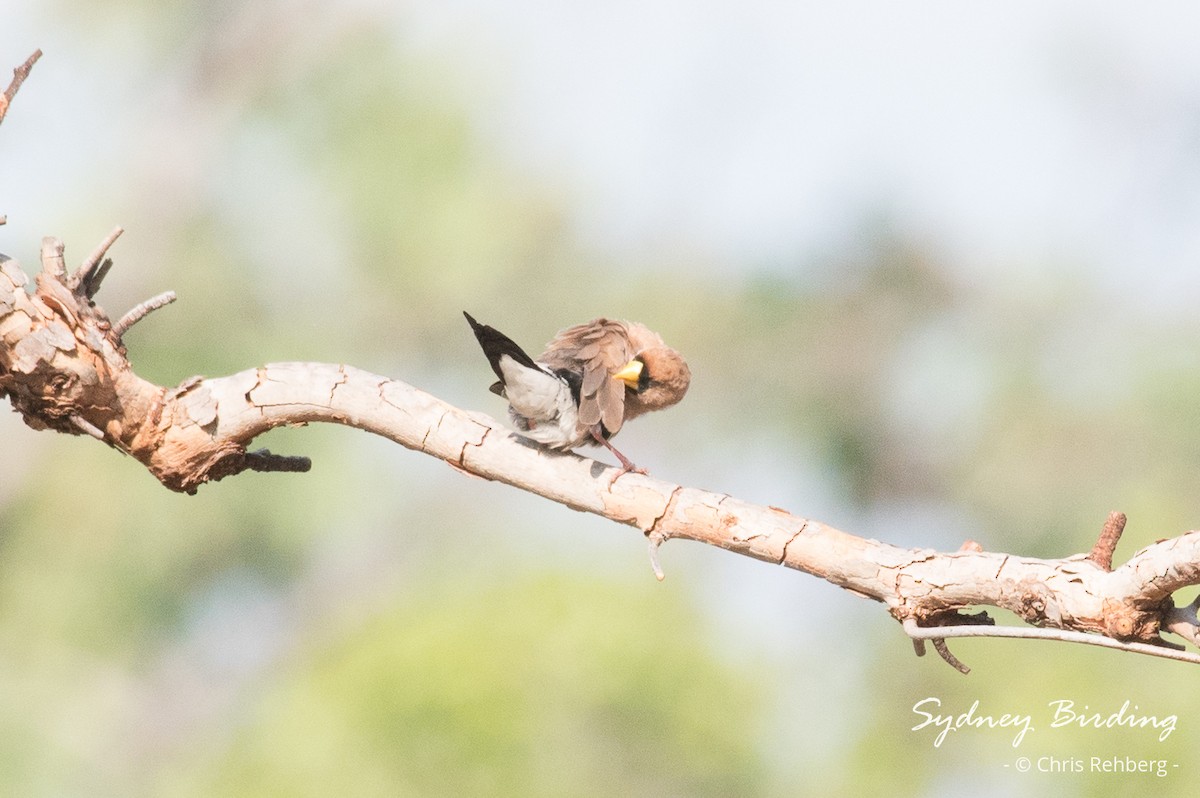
(591, 379)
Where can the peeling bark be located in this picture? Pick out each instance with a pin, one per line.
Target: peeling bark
(64, 367)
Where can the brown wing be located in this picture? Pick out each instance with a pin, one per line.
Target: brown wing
(595, 351)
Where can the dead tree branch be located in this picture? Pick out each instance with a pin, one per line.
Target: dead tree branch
(19, 75)
(64, 367)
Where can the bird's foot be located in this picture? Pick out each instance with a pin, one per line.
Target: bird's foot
(627, 465)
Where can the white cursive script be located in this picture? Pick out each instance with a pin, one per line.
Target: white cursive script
(968, 719)
(1065, 715)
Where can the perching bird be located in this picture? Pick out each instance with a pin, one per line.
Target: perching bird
(591, 379)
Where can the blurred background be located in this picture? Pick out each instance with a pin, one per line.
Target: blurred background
(935, 271)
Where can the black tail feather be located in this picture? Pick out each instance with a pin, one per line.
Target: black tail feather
(495, 344)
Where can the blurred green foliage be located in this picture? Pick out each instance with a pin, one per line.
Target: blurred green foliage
(383, 626)
(543, 686)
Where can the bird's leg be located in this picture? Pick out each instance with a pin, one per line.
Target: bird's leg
(626, 464)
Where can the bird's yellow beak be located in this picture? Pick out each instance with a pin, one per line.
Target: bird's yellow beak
(629, 373)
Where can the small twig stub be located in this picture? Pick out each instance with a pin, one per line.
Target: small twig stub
(139, 312)
(1106, 544)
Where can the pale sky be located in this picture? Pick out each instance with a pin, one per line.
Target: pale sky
(1021, 136)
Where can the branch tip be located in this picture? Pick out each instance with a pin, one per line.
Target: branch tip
(939, 645)
(1106, 544)
(142, 310)
(19, 75)
(87, 276)
(655, 540)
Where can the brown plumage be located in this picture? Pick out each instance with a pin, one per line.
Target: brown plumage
(598, 350)
(591, 379)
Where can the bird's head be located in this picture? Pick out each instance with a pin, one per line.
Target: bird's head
(656, 378)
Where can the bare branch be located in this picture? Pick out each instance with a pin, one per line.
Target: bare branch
(88, 277)
(19, 75)
(655, 540)
(139, 312)
(939, 645)
(1102, 552)
(1062, 635)
(63, 367)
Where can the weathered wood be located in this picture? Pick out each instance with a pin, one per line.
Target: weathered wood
(64, 367)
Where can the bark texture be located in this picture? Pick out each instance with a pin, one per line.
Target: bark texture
(64, 367)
